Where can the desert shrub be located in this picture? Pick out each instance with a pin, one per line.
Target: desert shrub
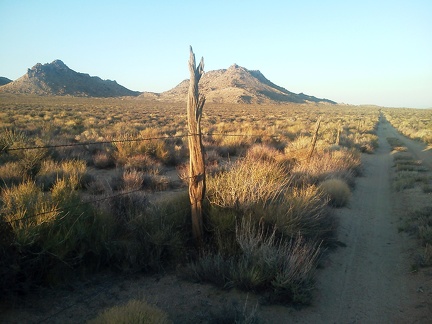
(103, 160)
(148, 236)
(50, 171)
(151, 145)
(247, 183)
(420, 225)
(132, 180)
(143, 162)
(52, 233)
(235, 313)
(337, 191)
(363, 142)
(156, 182)
(263, 152)
(343, 164)
(134, 311)
(405, 180)
(232, 144)
(281, 269)
(262, 190)
(11, 145)
(10, 174)
(303, 211)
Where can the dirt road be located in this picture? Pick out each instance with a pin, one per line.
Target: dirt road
(369, 281)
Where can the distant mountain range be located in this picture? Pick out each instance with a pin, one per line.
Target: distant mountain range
(4, 81)
(57, 79)
(233, 85)
(236, 85)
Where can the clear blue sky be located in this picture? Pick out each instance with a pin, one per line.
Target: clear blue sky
(357, 52)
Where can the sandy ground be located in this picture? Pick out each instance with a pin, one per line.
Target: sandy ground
(368, 281)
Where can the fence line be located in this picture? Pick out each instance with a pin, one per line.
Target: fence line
(131, 140)
(125, 141)
(92, 143)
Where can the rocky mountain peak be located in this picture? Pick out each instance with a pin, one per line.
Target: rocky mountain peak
(56, 78)
(236, 85)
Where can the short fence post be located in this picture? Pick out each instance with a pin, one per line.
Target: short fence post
(314, 139)
(338, 135)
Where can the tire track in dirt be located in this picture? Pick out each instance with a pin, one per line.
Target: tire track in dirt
(368, 281)
(418, 149)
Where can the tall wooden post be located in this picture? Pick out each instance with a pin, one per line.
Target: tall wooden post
(197, 185)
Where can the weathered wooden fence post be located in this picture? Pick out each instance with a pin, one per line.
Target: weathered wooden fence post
(197, 185)
(339, 128)
(314, 139)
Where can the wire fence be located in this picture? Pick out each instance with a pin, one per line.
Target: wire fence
(7, 149)
(174, 182)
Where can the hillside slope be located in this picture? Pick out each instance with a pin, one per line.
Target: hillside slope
(236, 85)
(57, 79)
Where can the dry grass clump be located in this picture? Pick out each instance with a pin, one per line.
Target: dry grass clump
(264, 153)
(302, 210)
(103, 160)
(149, 143)
(337, 190)
(134, 311)
(396, 144)
(51, 170)
(247, 183)
(10, 174)
(420, 225)
(132, 180)
(344, 164)
(282, 270)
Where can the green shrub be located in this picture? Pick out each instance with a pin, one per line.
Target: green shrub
(133, 312)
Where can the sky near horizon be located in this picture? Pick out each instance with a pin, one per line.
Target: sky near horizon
(356, 52)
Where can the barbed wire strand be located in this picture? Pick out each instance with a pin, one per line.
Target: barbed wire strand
(131, 140)
(60, 210)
